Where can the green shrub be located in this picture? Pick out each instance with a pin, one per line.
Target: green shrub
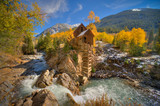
(75, 58)
(66, 47)
(93, 70)
(136, 50)
(132, 61)
(126, 61)
(138, 61)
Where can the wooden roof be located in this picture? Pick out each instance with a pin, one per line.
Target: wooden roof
(78, 30)
(84, 32)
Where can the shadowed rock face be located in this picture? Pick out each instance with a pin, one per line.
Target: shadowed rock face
(65, 80)
(67, 66)
(39, 98)
(45, 79)
(64, 64)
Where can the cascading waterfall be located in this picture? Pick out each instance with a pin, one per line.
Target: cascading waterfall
(115, 88)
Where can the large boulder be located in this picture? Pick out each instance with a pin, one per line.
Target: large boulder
(53, 61)
(66, 81)
(67, 66)
(39, 98)
(64, 63)
(45, 79)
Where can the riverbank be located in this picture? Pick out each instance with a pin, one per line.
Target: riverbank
(110, 63)
(17, 70)
(114, 63)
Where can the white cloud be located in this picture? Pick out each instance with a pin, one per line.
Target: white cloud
(52, 7)
(79, 8)
(118, 4)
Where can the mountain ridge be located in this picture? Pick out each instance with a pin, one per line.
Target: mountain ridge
(145, 18)
(58, 28)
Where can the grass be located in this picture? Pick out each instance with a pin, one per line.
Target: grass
(105, 101)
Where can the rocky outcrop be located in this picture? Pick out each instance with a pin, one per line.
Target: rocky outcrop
(66, 81)
(64, 63)
(6, 89)
(53, 61)
(58, 28)
(45, 79)
(67, 66)
(155, 73)
(39, 98)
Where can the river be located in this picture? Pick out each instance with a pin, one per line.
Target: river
(115, 88)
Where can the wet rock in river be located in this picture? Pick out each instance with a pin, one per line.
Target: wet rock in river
(45, 79)
(66, 81)
(39, 98)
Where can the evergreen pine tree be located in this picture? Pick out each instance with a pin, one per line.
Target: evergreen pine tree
(28, 47)
(151, 37)
(47, 42)
(40, 43)
(126, 28)
(158, 42)
(114, 40)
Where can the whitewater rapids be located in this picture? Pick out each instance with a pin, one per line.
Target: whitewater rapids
(115, 88)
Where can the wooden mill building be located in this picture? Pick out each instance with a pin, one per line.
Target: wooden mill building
(83, 41)
(83, 34)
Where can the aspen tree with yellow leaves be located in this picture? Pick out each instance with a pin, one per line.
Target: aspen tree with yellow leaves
(17, 22)
(132, 41)
(92, 17)
(103, 36)
(91, 25)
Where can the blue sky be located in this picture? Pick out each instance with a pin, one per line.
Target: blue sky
(75, 11)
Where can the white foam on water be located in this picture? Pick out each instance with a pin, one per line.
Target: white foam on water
(115, 88)
(59, 91)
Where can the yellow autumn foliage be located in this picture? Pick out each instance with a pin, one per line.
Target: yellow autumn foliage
(66, 35)
(91, 16)
(136, 35)
(97, 20)
(103, 36)
(132, 41)
(93, 28)
(139, 36)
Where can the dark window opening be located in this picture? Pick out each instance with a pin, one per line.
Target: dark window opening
(81, 29)
(84, 39)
